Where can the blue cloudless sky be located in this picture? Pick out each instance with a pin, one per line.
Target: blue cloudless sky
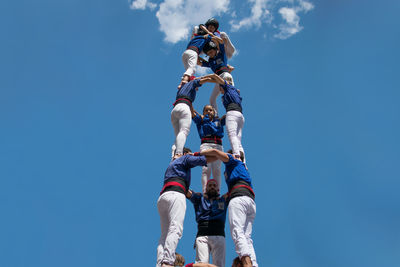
(86, 90)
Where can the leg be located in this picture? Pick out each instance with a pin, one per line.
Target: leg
(218, 250)
(189, 59)
(206, 170)
(162, 206)
(181, 122)
(239, 135)
(251, 214)
(175, 125)
(237, 220)
(232, 130)
(216, 166)
(213, 98)
(202, 249)
(176, 215)
(229, 48)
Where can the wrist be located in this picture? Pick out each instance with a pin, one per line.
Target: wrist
(196, 154)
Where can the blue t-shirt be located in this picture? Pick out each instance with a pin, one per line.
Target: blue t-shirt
(188, 90)
(181, 167)
(206, 127)
(231, 95)
(235, 170)
(207, 210)
(219, 62)
(198, 42)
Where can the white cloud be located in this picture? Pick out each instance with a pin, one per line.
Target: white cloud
(177, 17)
(259, 12)
(142, 4)
(291, 25)
(291, 19)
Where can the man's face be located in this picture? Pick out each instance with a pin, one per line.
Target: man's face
(212, 189)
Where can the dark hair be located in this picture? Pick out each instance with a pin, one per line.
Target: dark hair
(186, 150)
(213, 22)
(241, 154)
(209, 46)
(237, 262)
(179, 260)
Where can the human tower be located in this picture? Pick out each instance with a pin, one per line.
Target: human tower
(210, 207)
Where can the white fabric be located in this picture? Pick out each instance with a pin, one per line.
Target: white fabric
(216, 91)
(229, 48)
(181, 119)
(234, 124)
(211, 244)
(213, 168)
(189, 59)
(172, 208)
(242, 211)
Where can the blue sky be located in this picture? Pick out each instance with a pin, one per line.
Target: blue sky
(86, 90)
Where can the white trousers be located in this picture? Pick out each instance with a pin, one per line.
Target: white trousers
(242, 211)
(234, 125)
(181, 119)
(211, 244)
(213, 168)
(229, 48)
(189, 59)
(216, 91)
(171, 207)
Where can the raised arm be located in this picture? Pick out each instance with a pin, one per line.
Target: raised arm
(214, 38)
(215, 153)
(211, 78)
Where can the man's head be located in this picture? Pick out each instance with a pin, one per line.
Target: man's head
(186, 150)
(210, 49)
(209, 110)
(212, 25)
(241, 157)
(237, 262)
(179, 260)
(212, 190)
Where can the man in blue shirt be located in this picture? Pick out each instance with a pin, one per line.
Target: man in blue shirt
(241, 207)
(181, 114)
(172, 203)
(210, 212)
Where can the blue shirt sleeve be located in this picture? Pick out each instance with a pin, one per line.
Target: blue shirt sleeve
(193, 161)
(197, 119)
(230, 161)
(195, 198)
(196, 83)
